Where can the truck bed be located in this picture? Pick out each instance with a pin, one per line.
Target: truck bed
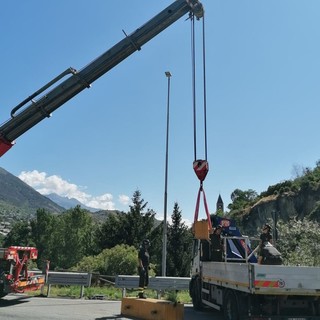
(264, 279)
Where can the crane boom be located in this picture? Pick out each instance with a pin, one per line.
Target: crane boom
(37, 110)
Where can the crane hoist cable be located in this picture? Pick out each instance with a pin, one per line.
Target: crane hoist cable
(201, 167)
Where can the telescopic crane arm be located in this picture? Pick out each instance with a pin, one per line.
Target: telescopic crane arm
(24, 119)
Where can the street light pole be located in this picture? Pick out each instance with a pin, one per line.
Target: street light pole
(164, 248)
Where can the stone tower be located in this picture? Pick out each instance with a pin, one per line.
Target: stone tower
(220, 206)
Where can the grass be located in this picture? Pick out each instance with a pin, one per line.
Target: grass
(110, 293)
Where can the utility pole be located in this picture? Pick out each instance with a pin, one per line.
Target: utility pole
(164, 248)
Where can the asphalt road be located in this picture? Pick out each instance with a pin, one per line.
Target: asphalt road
(20, 307)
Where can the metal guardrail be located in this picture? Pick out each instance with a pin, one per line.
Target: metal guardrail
(156, 283)
(68, 278)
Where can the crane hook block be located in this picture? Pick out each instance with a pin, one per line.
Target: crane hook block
(201, 168)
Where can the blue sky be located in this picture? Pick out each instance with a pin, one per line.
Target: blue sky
(262, 70)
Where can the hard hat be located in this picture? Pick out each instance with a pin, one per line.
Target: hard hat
(146, 242)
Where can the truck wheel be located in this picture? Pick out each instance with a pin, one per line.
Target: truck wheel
(2, 293)
(196, 293)
(230, 306)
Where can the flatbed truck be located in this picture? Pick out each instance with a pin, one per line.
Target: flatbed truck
(243, 289)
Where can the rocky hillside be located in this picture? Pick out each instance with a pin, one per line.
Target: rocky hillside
(304, 203)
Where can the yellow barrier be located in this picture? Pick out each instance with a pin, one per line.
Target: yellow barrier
(152, 309)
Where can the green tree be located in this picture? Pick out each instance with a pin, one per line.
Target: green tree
(19, 235)
(155, 250)
(315, 213)
(111, 232)
(240, 199)
(179, 246)
(57, 254)
(43, 228)
(299, 242)
(139, 221)
(121, 259)
(77, 235)
(127, 228)
(1, 239)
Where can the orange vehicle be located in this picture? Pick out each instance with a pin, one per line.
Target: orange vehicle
(14, 274)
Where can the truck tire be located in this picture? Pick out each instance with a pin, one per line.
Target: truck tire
(2, 293)
(230, 306)
(195, 293)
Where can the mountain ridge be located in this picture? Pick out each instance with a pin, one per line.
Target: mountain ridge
(19, 201)
(18, 194)
(69, 203)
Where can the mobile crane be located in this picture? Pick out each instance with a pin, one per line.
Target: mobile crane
(14, 274)
(243, 289)
(31, 110)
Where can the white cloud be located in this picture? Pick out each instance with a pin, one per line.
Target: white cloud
(101, 202)
(187, 222)
(123, 199)
(45, 185)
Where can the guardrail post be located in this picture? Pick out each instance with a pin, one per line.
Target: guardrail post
(81, 292)
(48, 290)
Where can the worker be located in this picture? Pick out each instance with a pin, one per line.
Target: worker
(216, 244)
(265, 238)
(143, 267)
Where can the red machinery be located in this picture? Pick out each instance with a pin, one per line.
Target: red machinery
(14, 274)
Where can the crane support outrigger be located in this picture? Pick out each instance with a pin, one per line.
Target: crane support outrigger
(24, 119)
